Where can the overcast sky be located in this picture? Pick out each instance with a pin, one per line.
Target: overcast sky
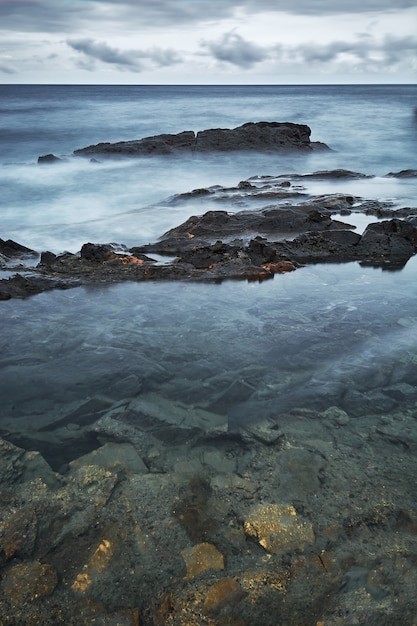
(208, 41)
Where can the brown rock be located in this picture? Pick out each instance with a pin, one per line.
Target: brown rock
(200, 558)
(277, 529)
(226, 592)
(26, 582)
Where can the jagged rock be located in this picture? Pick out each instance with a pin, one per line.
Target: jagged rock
(250, 136)
(12, 250)
(205, 251)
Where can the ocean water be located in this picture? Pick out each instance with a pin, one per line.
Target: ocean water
(322, 338)
(371, 129)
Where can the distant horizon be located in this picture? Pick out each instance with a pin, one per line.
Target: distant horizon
(364, 84)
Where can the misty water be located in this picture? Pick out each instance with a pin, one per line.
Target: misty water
(331, 336)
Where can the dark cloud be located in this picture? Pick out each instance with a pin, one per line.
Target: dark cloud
(67, 16)
(105, 53)
(387, 51)
(101, 51)
(233, 49)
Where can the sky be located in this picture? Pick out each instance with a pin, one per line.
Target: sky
(208, 41)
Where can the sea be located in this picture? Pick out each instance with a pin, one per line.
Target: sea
(334, 339)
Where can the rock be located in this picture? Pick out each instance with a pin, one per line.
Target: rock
(225, 593)
(18, 534)
(49, 158)
(93, 568)
(24, 583)
(390, 239)
(166, 419)
(255, 136)
(336, 415)
(205, 251)
(13, 250)
(277, 529)
(200, 558)
(275, 136)
(403, 174)
(113, 456)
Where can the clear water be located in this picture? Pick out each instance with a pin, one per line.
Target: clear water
(341, 336)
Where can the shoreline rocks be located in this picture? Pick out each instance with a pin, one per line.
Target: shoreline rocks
(250, 244)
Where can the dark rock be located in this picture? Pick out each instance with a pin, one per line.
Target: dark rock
(254, 136)
(251, 136)
(403, 174)
(393, 239)
(14, 250)
(332, 174)
(49, 158)
(221, 245)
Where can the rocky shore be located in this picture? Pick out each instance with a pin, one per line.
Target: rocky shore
(262, 496)
(280, 228)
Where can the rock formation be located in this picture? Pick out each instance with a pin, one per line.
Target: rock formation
(253, 244)
(271, 136)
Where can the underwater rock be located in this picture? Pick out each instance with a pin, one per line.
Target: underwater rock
(277, 529)
(28, 582)
(201, 558)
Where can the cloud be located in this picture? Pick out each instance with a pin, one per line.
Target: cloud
(68, 16)
(233, 49)
(388, 51)
(7, 69)
(101, 51)
(105, 53)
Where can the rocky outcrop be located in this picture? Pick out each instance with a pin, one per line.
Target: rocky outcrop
(271, 136)
(219, 244)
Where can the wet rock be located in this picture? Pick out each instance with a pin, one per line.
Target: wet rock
(227, 592)
(392, 238)
(12, 250)
(205, 251)
(24, 583)
(167, 419)
(409, 173)
(251, 136)
(93, 568)
(277, 529)
(18, 534)
(356, 403)
(113, 456)
(49, 158)
(201, 558)
(330, 174)
(267, 431)
(299, 473)
(20, 466)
